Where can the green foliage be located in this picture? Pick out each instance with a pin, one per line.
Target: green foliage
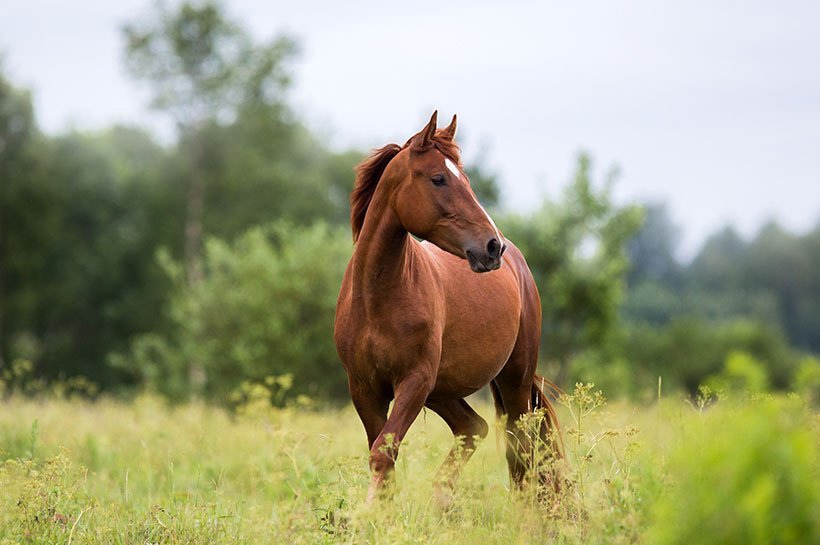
(19, 378)
(16, 378)
(76, 253)
(687, 351)
(264, 167)
(152, 472)
(190, 473)
(757, 297)
(264, 308)
(807, 379)
(581, 404)
(201, 64)
(652, 250)
(772, 279)
(741, 373)
(26, 215)
(82, 217)
(613, 373)
(50, 502)
(748, 476)
(257, 399)
(576, 250)
(204, 70)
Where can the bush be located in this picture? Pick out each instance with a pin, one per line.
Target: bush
(614, 375)
(807, 379)
(741, 373)
(265, 308)
(749, 477)
(687, 351)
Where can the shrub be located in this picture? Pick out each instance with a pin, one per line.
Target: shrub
(265, 308)
(741, 373)
(749, 477)
(807, 379)
(687, 351)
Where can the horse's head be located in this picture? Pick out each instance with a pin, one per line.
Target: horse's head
(433, 199)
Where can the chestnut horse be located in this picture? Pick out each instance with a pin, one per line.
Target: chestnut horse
(417, 323)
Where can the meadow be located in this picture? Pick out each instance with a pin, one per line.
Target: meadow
(741, 470)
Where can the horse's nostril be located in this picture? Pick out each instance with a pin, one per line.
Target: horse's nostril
(503, 249)
(494, 248)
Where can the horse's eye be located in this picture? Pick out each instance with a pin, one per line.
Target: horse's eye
(438, 180)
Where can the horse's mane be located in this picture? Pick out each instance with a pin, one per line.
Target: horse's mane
(369, 172)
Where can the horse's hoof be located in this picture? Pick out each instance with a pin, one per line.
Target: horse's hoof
(372, 495)
(444, 497)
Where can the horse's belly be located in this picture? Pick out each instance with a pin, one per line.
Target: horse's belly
(465, 374)
(480, 335)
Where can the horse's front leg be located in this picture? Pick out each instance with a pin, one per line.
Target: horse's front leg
(371, 404)
(410, 396)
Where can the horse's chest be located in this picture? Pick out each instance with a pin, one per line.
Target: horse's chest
(388, 345)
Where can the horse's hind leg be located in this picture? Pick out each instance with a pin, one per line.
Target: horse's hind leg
(515, 395)
(466, 425)
(528, 448)
(512, 399)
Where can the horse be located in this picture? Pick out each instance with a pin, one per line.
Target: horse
(427, 323)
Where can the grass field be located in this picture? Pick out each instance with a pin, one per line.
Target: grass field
(79, 472)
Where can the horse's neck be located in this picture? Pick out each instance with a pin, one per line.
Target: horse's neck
(382, 257)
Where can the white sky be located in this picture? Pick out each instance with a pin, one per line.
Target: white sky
(714, 109)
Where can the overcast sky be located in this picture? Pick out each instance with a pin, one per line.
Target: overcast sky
(714, 109)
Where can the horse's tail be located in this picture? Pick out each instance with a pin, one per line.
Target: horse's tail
(550, 432)
(549, 441)
(499, 404)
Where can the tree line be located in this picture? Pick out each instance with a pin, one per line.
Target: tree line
(195, 267)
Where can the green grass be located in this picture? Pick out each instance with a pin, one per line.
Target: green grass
(110, 472)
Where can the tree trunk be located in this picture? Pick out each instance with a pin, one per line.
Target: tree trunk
(194, 210)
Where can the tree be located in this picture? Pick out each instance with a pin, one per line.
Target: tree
(687, 350)
(202, 68)
(265, 308)
(262, 167)
(780, 263)
(720, 263)
(772, 278)
(576, 249)
(26, 213)
(80, 218)
(652, 250)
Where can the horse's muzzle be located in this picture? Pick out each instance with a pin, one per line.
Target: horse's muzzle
(483, 263)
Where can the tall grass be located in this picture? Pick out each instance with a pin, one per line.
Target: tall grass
(76, 471)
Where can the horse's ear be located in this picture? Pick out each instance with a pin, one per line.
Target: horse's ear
(425, 137)
(449, 132)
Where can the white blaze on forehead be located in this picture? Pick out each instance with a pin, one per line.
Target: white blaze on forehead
(497, 234)
(452, 167)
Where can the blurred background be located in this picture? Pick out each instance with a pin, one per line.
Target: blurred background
(174, 181)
